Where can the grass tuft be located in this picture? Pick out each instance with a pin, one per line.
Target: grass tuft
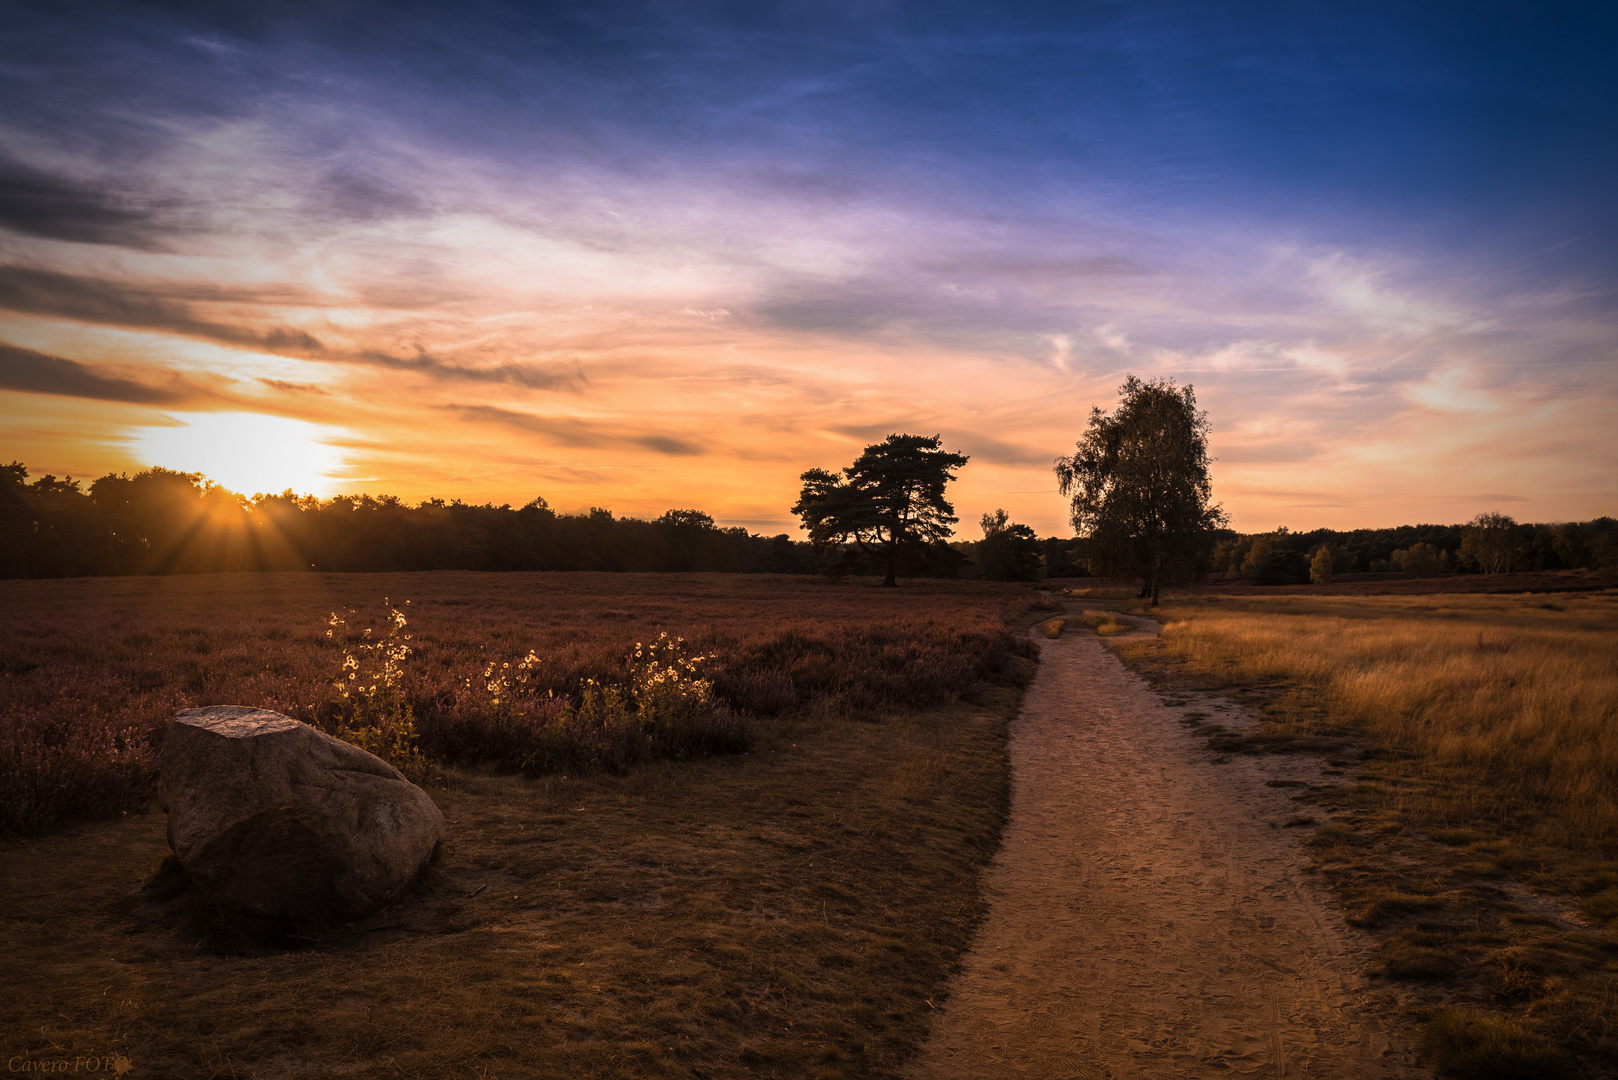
(1483, 1046)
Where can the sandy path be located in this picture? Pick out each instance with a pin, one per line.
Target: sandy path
(1146, 918)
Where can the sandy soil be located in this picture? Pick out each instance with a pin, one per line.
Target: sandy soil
(1148, 918)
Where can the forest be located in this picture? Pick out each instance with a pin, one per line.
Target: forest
(161, 521)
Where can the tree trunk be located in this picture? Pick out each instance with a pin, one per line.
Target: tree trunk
(892, 579)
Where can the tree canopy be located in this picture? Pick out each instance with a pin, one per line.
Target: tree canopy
(1139, 485)
(1008, 551)
(1490, 540)
(891, 499)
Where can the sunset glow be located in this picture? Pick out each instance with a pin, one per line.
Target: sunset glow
(248, 453)
(672, 256)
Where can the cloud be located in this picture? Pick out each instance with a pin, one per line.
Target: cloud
(293, 387)
(40, 373)
(111, 303)
(517, 374)
(38, 204)
(571, 431)
(1273, 453)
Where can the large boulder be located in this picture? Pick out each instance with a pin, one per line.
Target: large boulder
(274, 818)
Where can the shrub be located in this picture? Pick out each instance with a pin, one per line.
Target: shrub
(373, 712)
(51, 770)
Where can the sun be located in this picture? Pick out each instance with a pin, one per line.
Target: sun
(248, 453)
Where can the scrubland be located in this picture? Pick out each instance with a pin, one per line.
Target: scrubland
(790, 906)
(1468, 809)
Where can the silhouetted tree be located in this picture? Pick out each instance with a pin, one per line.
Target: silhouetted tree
(1139, 485)
(890, 500)
(1008, 552)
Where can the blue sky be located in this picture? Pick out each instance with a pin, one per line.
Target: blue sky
(644, 255)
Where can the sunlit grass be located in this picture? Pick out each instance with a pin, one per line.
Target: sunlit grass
(1520, 692)
(1473, 831)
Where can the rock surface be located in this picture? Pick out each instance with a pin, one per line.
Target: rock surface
(274, 818)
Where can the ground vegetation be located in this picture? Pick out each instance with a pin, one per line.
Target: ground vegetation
(1466, 812)
(538, 673)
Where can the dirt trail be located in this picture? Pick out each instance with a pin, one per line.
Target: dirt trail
(1147, 919)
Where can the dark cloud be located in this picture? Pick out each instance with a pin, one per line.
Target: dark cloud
(111, 303)
(980, 448)
(425, 363)
(572, 432)
(987, 449)
(37, 204)
(40, 373)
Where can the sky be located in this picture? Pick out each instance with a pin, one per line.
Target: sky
(667, 255)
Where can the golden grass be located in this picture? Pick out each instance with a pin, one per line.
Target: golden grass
(1517, 691)
(1104, 623)
(1052, 628)
(1470, 772)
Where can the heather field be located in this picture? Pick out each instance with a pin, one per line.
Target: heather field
(502, 669)
(780, 887)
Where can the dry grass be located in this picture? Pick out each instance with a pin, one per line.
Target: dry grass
(1519, 693)
(791, 911)
(1470, 771)
(1104, 623)
(794, 911)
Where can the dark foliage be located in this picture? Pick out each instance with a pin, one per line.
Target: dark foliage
(165, 522)
(1140, 488)
(1008, 551)
(1588, 545)
(888, 505)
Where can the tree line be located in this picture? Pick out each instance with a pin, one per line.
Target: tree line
(160, 521)
(163, 522)
(1491, 543)
(1138, 484)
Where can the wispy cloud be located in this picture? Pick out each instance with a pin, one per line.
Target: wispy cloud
(575, 432)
